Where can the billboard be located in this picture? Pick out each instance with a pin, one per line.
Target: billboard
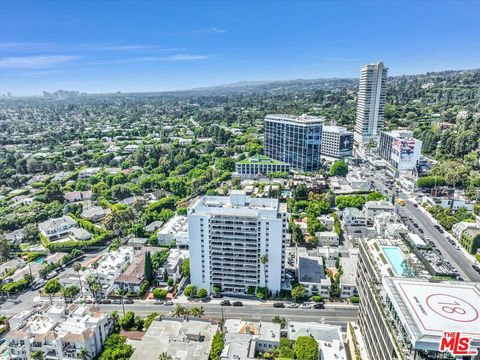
(403, 149)
(406, 153)
(346, 145)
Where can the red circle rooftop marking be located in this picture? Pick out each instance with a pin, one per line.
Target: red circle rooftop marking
(448, 306)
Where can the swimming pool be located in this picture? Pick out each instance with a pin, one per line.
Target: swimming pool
(40, 260)
(396, 258)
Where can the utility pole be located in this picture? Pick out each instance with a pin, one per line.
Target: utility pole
(123, 305)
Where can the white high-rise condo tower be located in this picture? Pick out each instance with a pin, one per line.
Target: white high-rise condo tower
(237, 243)
(370, 102)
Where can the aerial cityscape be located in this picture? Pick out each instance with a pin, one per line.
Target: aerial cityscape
(175, 204)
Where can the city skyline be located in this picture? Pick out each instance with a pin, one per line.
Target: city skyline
(140, 47)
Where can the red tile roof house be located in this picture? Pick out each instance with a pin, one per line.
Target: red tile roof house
(133, 277)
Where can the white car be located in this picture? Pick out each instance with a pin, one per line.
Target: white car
(291, 305)
(305, 306)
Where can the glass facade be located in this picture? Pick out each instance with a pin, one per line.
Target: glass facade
(296, 143)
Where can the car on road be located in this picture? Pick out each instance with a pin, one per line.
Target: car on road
(237, 303)
(476, 268)
(292, 305)
(127, 301)
(217, 296)
(106, 301)
(117, 301)
(415, 205)
(168, 303)
(278, 305)
(319, 306)
(225, 303)
(158, 302)
(305, 306)
(420, 230)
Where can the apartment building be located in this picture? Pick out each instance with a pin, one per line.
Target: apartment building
(337, 142)
(370, 102)
(58, 332)
(237, 242)
(295, 140)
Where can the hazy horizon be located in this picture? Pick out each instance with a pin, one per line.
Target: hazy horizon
(141, 46)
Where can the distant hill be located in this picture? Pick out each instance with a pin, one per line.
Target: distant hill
(306, 85)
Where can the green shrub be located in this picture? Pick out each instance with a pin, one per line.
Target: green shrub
(159, 293)
(202, 293)
(217, 346)
(354, 299)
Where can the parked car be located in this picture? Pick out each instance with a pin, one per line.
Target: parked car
(127, 301)
(278, 305)
(168, 302)
(319, 306)
(106, 301)
(476, 268)
(117, 301)
(292, 305)
(225, 303)
(305, 306)
(158, 302)
(237, 303)
(217, 296)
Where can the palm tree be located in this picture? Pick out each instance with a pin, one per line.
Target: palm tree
(194, 311)
(95, 267)
(179, 310)
(164, 356)
(77, 267)
(201, 312)
(264, 261)
(84, 355)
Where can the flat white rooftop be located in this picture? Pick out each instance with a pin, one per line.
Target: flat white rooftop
(427, 309)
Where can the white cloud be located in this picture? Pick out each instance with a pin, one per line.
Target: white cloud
(216, 30)
(21, 46)
(31, 62)
(186, 57)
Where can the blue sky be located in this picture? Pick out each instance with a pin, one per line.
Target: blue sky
(105, 46)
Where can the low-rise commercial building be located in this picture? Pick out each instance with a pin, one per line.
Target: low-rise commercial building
(263, 165)
(245, 339)
(327, 238)
(311, 274)
(328, 337)
(177, 337)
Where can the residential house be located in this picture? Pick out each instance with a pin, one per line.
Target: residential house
(95, 213)
(57, 228)
(373, 208)
(133, 276)
(353, 217)
(74, 196)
